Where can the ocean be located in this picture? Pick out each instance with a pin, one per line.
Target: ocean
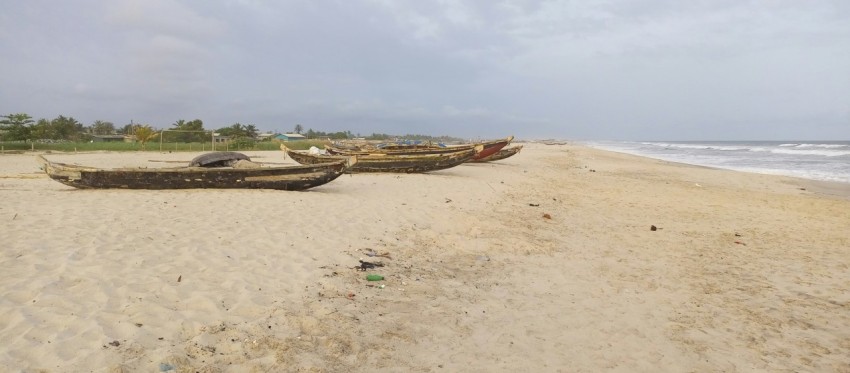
(815, 160)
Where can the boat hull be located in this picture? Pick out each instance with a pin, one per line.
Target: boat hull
(492, 147)
(278, 178)
(390, 163)
(501, 154)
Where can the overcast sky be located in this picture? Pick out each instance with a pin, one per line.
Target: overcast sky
(594, 70)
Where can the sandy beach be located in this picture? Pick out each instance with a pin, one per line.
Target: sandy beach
(545, 261)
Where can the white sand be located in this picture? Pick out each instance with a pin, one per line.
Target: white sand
(479, 280)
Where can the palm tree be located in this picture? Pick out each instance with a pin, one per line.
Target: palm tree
(145, 133)
(100, 127)
(251, 131)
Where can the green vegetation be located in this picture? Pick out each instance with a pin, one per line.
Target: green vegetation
(310, 134)
(16, 126)
(21, 127)
(20, 131)
(345, 135)
(241, 137)
(68, 146)
(144, 134)
(191, 131)
(408, 137)
(100, 127)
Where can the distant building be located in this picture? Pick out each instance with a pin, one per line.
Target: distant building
(290, 137)
(265, 136)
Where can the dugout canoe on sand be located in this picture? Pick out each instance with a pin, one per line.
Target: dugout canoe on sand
(488, 148)
(501, 154)
(390, 163)
(209, 171)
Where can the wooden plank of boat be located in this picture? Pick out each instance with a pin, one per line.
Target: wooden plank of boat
(501, 154)
(390, 162)
(238, 177)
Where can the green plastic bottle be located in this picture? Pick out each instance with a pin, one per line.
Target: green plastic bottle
(374, 277)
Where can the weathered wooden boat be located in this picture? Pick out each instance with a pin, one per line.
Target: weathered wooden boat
(395, 149)
(488, 148)
(241, 175)
(501, 154)
(413, 163)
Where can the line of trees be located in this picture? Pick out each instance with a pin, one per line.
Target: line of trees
(22, 127)
(310, 134)
(238, 130)
(342, 135)
(193, 125)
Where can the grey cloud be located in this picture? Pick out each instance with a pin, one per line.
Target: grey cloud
(162, 17)
(647, 69)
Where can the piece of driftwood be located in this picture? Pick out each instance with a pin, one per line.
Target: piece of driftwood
(241, 176)
(501, 154)
(390, 163)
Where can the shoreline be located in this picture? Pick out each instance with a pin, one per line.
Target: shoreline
(775, 172)
(744, 271)
(824, 188)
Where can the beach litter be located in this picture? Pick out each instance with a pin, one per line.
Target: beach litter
(547, 216)
(374, 277)
(371, 253)
(653, 228)
(534, 204)
(368, 265)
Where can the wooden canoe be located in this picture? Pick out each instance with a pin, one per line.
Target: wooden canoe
(396, 150)
(488, 148)
(491, 147)
(252, 176)
(501, 154)
(388, 162)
